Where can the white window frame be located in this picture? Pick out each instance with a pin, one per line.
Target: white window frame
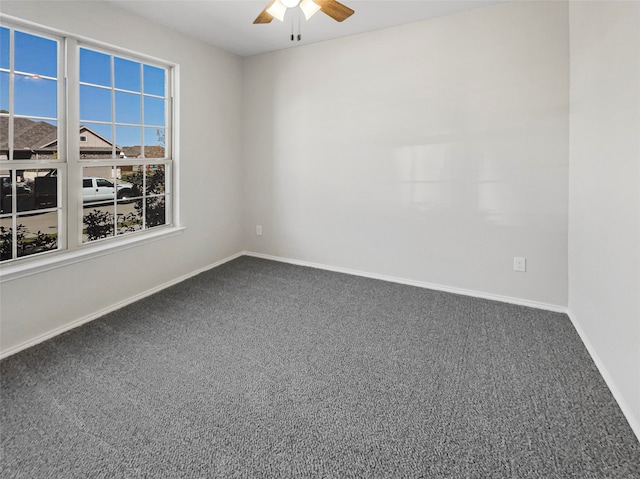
(71, 249)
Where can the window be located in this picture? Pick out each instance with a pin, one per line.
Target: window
(30, 203)
(121, 160)
(123, 109)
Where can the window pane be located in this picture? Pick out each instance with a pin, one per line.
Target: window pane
(98, 222)
(6, 194)
(34, 139)
(98, 142)
(37, 233)
(35, 190)
(154, 80)
(98, 185)
(6, 239)
(129, 184)
(154, 143)
(34, 96)
(127, 74)
(44, 185)
(35, 54)
(155, 180)
(95, 67)
(4, 91)
(129, 216)
(4, 47)
(4, 138)
(132, 176)
(25, 199)
(127, 108)
(127, 137)
(153, 111)
(95, 104)
(155, 211)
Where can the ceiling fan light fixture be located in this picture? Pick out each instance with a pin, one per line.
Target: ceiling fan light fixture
(309, 8)
(277, 10)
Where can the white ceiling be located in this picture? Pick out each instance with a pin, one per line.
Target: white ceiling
(228, 23)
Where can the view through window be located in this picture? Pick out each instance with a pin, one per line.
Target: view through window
(123, 108)
(120, 160)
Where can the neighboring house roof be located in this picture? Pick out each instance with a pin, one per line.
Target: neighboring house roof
(154, 151)
(53, 140)
(27, 134)
(42, 137)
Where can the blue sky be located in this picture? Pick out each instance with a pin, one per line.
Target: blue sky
(37, 56)
(35, 96)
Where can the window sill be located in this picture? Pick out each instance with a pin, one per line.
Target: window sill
(61, 259)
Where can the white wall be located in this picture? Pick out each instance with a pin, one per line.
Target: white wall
(210, 181)
(434, 152)
(604, 221)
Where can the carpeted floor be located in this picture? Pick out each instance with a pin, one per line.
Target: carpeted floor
(262, 369)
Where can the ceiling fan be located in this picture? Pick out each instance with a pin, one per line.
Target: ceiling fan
(277, 9)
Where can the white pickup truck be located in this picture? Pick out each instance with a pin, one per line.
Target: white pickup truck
(96, 189)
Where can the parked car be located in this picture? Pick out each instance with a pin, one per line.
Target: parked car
(24, 196)
(21, 188)
(96, 189)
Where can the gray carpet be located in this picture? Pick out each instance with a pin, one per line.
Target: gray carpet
(261, 369)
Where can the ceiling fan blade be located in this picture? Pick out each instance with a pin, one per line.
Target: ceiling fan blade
(335, 10)
(264, 17)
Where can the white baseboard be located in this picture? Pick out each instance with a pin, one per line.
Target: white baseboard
(137, 297)
(78, 322)
(419, 284)
(633, 421)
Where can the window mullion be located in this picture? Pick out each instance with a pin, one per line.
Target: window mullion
(12, 172)
(11, 92)
(172, 132)
(142, 122)
(114, 129)
(63, 151)
(113, 107)
(74, 168)
(169, 193)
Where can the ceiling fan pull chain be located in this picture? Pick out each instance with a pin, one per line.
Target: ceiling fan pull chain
(299, 27)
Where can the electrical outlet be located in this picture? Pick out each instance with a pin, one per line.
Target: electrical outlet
(258, 230)
(520, 264)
